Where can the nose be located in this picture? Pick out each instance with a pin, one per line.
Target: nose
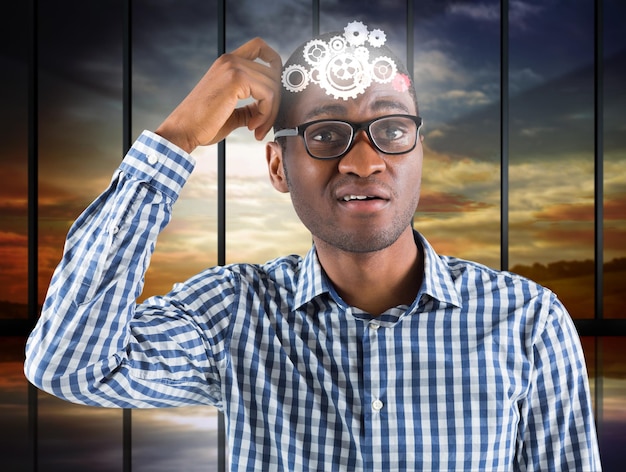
(363, 159)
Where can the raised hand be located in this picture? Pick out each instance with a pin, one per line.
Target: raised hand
(209, 112)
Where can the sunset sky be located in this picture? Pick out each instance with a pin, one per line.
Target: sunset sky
(457, 77)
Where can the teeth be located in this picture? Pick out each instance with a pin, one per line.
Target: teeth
(347, 198)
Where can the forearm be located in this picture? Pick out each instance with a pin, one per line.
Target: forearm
(83, 330)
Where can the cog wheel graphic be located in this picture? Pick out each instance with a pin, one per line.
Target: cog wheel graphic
(345, 67)
(377, 38)
(315, 51)
(345, 77)
(383, 69)
(314, 76)
(295, 78)
(356, 33)
(337, 44)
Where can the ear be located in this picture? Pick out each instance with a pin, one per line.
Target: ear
(274, 156)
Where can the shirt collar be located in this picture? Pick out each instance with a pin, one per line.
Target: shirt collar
(437, 283)
(312, 280)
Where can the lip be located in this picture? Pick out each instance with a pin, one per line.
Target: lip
(363, 198)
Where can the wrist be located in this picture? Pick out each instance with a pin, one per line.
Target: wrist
(175, 135)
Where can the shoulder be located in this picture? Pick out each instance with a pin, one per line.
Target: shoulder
(466, 272)
(510, 292)
(279, 272)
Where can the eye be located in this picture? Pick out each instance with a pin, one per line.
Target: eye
(324, 135)
(393, 131)
(328, 133)
(394, 134)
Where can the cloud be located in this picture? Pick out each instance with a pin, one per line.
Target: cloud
(439, 202)
(476, 11)
(521, 13)
(524, 78)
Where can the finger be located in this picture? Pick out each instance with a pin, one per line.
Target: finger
(257, 48)
(263, 111)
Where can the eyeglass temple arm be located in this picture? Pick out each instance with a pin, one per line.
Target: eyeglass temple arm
(286, 132)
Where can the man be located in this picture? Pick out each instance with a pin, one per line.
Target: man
(370, 353)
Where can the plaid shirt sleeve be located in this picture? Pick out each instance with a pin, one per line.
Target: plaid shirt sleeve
(556, 430)
(83, 348)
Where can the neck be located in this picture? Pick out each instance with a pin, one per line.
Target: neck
(377, 281)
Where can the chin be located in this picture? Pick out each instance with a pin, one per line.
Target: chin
(362, 243)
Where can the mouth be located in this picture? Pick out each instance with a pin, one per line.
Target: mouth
(363, 202)
(351, 198)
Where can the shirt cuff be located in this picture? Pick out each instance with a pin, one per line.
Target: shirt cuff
(156, 161)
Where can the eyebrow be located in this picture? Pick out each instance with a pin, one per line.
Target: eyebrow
(336, 110)
(326, 110)
(391, 105)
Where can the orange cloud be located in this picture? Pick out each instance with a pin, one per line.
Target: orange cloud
(614, 209)
(441, 202)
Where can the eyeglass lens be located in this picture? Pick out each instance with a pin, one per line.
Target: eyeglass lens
(391, 135)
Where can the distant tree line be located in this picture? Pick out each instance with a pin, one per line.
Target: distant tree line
(538, 272)
(566, 269)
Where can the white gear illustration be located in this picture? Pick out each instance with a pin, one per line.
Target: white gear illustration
(314, 75)
(356, 33)
(344, 77)
(383, 69)
(377, 38)
(345, 66)
(337, 44)
(315, 51)
(342, 66)
(295, 78)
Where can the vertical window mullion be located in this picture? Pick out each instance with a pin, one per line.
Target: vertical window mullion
(221, 219)
(504, 134)
(598, 203)
(127, 432)
(315, 14)
(33, 227)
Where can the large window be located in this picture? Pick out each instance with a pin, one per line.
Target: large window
(525, 170)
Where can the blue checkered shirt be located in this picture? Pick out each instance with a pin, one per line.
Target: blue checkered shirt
(483, 372)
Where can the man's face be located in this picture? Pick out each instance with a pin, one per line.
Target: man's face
(321, 189)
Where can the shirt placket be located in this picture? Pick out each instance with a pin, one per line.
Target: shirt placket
(374, 382)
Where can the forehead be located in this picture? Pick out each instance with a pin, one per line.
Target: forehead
(378, 99)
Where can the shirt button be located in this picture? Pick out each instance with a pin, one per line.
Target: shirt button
(377, 405)
(374, 326)
(114, 229)
(152, 159)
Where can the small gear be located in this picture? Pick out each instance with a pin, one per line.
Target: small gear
(377, 38)
(337, 44)
(356, 33)
(314, 76)
(315, 51)
(295, 78)
(383, 69)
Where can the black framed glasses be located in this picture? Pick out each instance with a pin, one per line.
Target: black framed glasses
(331, 139)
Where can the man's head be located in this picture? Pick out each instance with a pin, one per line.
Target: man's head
(362, 197)
(343, 64)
